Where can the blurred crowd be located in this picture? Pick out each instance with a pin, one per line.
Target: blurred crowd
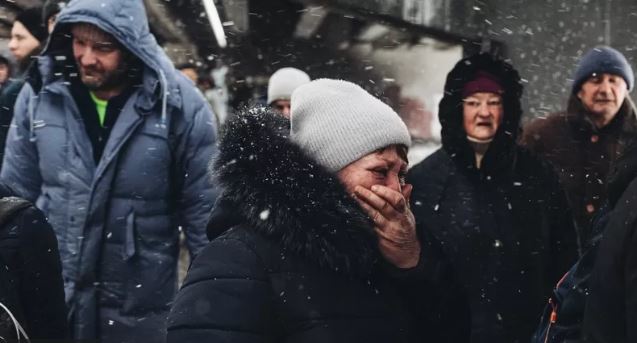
(302, 216)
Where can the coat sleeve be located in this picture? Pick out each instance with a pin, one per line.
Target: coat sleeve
(226, 297)
(567, 247)
(631, 285)
(437, 300)
(196, 193)
(41, 288)
(8, 97)
(432, 298)
(611, 302)
(20, 169)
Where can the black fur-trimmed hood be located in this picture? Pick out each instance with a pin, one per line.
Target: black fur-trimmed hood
(271, 186)
(454, 136)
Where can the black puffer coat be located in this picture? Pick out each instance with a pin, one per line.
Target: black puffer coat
(504, 231)
(299, 262)
(611, 305)
(8, 96)
(29, 253)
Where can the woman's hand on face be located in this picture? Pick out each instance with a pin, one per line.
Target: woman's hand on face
(394, 222)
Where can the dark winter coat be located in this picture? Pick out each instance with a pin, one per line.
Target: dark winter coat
(29, 254)
(581, 155)
(117, 220)
(8, 96)
(503, 231)
(563, 315)
(611, 306)
(299, 259)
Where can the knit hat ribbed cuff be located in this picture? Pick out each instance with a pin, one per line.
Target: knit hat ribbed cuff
(482, 82)
(337, 122)
(603, 59)
(283, 82)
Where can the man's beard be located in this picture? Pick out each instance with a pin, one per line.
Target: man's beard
(104, 81)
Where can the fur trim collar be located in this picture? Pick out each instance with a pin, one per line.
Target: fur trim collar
(281, 193)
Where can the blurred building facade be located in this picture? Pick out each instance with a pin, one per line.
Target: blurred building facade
(400, 50)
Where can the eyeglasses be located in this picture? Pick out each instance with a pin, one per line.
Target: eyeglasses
(473, 102)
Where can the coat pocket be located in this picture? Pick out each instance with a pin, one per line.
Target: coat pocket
(130, 247)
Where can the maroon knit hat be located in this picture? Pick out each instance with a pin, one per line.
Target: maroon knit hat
(482, 82)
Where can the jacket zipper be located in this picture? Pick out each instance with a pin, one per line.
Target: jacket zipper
(552, 320)
(553, 317)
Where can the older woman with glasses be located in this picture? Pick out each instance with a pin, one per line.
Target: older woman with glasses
(493, 219)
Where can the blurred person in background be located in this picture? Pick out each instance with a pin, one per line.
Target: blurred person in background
(582, 142)
(317, 236)
(216, 96)
(280, 87)
(206, 85)
(494, 222)
(592, 145)
(190, 71)
(50, 11)
(28, 36)
(5, 72)
(112, 144)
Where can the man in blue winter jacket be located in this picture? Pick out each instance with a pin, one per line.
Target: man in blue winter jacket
(112, 144)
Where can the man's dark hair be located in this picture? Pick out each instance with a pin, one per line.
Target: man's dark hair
(186, 65)
(4, 60)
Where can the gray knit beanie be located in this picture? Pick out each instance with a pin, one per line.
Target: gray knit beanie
(283, 82)
(337, 122)
(602, 59)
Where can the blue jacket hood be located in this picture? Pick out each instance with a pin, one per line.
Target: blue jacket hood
(126, 20)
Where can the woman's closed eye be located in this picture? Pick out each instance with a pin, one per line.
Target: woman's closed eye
(381, 172)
